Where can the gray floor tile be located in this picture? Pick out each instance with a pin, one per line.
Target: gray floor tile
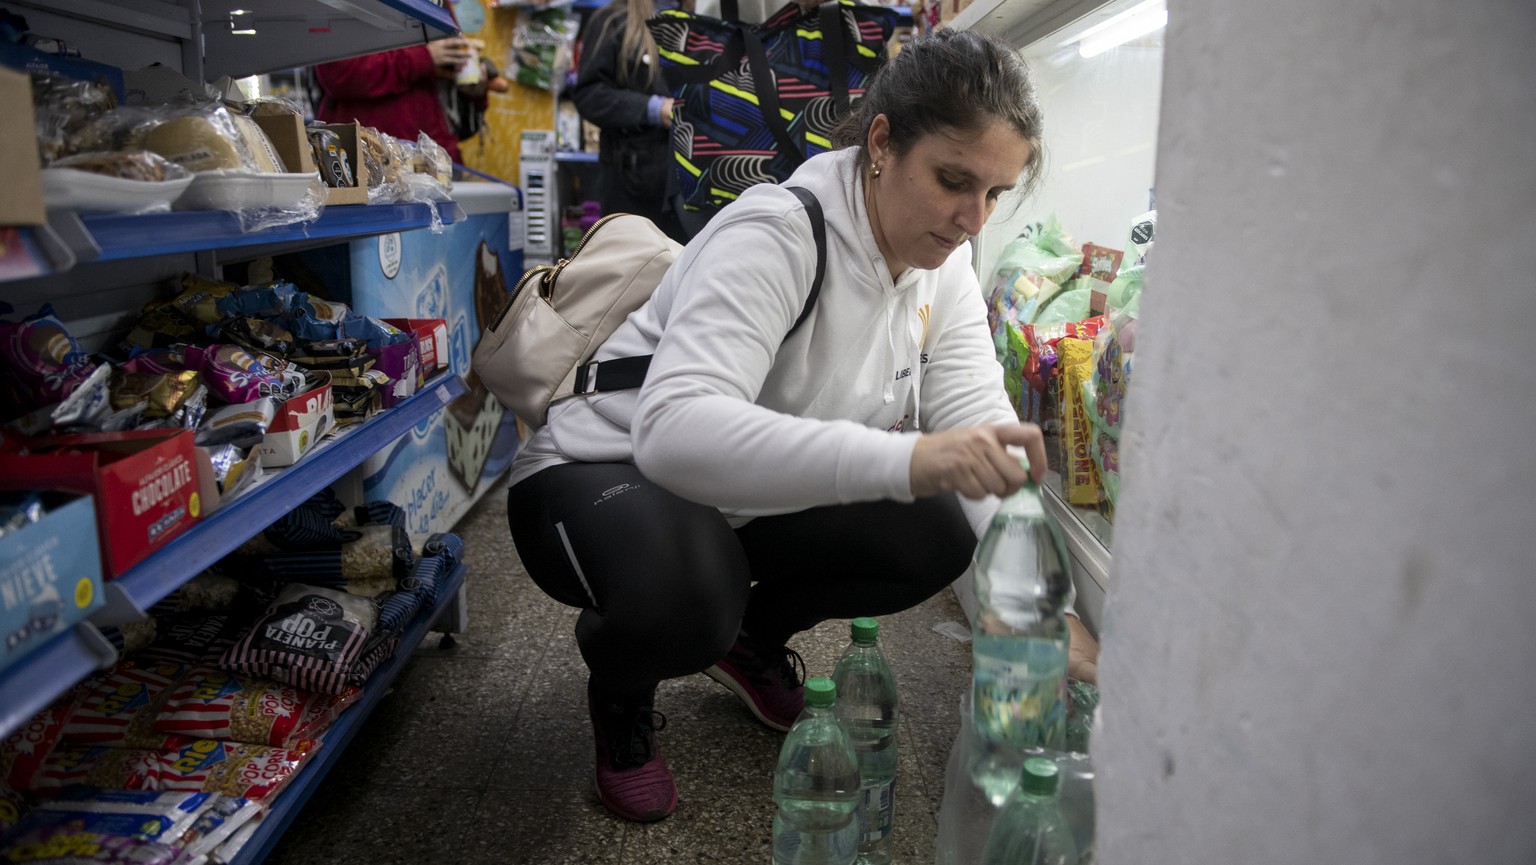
(364, 824)
(552, 828)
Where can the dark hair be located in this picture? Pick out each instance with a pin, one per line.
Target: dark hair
(948, 81)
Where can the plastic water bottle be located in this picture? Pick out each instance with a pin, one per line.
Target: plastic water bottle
(1030, 830)
(868, 705)
(1019, 642)
(816, 786)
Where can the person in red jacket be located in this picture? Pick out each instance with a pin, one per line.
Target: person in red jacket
(395, 92)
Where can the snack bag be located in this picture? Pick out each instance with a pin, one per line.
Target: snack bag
(211, 703)
(1079, 477)
(309, 637)
(120, 711)
(1015, 356)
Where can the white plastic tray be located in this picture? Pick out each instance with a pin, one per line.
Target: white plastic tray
(242, 190)
(89, 192)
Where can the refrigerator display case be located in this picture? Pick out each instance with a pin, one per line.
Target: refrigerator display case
(1097, 69)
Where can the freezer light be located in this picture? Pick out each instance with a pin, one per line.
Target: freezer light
(1133, 23)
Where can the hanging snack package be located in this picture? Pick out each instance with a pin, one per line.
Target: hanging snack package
(541, 46)
(1079, 477)
(309, 637)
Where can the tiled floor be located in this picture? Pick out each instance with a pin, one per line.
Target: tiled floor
(483, 753)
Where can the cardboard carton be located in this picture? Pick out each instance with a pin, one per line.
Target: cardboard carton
(22, 203)
(302, 420)
(431, 338)
(291, 138)
(145, 484)
(49, 579)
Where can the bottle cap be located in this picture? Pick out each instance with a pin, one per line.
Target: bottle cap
(865, 630)
(820, 692)
(1040, 776)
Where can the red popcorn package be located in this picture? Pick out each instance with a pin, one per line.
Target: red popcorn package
(120, 711)
(245, 771)
(23, 753)
(218, 704)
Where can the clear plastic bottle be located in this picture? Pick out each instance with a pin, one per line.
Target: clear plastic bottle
(1019, 642)
(816, 786)
(868, 705)
(1030, 830)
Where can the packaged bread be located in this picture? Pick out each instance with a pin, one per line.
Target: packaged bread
(144, 165)
(213, 139)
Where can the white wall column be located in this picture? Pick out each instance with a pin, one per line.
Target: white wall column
(1319, 641)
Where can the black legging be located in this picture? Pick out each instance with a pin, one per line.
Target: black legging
(665, 584)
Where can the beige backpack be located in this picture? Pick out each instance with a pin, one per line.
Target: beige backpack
(538, 350)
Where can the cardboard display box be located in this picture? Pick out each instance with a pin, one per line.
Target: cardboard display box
(289, 140)
(22, 203)
(431, 338)
(290, 137)
(49, 579)
(302, 420)
(145, 483)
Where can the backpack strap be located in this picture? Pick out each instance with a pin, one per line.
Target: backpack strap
(819, 231)
(623, 373)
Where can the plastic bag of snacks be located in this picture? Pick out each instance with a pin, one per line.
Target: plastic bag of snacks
(310, 637)
(255, 772)
(211, 703)
(1104, 397)
(1030, 271)
(1079, 476)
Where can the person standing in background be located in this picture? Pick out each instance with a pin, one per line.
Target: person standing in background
(396, 92)
(620, 90)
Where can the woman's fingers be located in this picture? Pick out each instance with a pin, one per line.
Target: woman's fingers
(975, 461)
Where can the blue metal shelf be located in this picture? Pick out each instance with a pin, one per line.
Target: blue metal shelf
(426, 12)
(232, 524)
(29, 685)
(46, 673)
(135, 236)
(334, 741)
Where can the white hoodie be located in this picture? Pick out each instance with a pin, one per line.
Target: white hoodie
(730, 417)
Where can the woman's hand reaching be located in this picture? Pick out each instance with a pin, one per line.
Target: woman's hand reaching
(974, 461)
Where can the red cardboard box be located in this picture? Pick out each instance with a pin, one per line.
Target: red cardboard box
(145, 484)
(431, 336)
(301, 422)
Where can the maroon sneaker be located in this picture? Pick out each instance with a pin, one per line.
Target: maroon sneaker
(632, 777)
(769, 679)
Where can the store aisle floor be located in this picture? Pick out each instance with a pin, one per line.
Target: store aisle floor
(482, 755)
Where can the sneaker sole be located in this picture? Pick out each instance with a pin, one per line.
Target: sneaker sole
(621, 813)
(735, 687)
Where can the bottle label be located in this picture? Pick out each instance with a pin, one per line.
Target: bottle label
(877, 811)
(1020, 697)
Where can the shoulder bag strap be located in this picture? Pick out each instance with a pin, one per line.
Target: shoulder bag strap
(834, 45)
(627, 372)
(768, 95)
